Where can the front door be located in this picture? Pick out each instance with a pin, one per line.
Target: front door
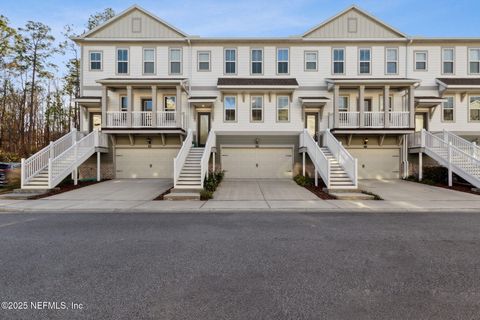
(420, 121)
(311, 124)
(203, 128)
(95, 121)
(367, 104)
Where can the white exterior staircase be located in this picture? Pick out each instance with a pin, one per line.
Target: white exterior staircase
(335, 165)
(48, 167)
(190, 174)
(456, 154)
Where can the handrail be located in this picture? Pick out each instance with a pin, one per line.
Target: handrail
(209, 144)
(344, 158)
(179, 160)
(39, 161)
(459, 142)
(320, 161)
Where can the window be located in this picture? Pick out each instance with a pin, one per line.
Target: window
(203, 60)
(95, 60)
(421, 60)
(230, 61)
(474, 61)
(230, 105)
(147, 104)
(170, 103)
(448, 110)
(474, 107)
(390, 103)
(175, 58)
(343, 103)
(283, 108)
(123, 103)
(257, 109)
(392, 61)
(364, 61)
(338, 61)
(257, 61)
(311, 60)
(448, 56)
(282, 60)
(149, 61)
(122, 61)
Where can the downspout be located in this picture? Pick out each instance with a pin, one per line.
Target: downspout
(406, 164)
(190, 76)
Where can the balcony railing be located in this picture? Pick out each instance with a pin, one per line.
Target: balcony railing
(142, 119)
(351, 119)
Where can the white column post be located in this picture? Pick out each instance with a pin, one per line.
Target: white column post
(214, 169)
(411, 105)
(129, 106)
(475, 155)
(178, 109)
(22, 173)
(361, 105)
(336, 99)
(420, 166)
(98, 166)
(316, 177)
(303, 164)
(154, 106)
(450, 164)
(386, 107)
(104, 105)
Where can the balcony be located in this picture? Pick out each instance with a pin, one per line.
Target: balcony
(396, 119)
(143, 119)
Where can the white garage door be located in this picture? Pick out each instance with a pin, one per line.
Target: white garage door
(257, 162)
(145, 163)
(377, 163)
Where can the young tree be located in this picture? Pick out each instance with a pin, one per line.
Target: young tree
(98, 18)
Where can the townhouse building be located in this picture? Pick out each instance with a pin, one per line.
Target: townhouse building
(341, 101)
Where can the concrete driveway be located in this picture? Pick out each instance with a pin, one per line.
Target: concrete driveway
(119, 190)
(262, 190)
(401, 190)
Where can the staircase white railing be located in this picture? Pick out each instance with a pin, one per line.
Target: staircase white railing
(399, 119)
(179, 160)
(374, 119)
(348, 119)
(466, 146)
(320, 161)
(65, 163)
(211, 142)
(39, 161)
(343, 157)
(462, 163)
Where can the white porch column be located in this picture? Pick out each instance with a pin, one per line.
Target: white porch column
(178, 113)
(129, 106)
(154, 106)
(214, 169)
(316, 177)
(303, 164)
(336, 98)
(104, 105)
(411, 105)
(98, 166)
(420, 166)
(361, 105)
(450, 182)
(386, 100)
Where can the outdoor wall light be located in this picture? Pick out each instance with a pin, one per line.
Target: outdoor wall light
(365, 142)
(257, 142)
(149, 141)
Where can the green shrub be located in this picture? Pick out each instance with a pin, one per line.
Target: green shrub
(9, 156)
(206, 195)
(214, 178)
(303, 180)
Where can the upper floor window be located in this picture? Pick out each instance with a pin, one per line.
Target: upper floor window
(392, 61)
(149, 61)
(421, 58)
(282, 60)
(95, 60)
(203, 60)
(170, 103)
(474, 61)
(257, 61)
(283, 108)
(448, 56)
(448, 109)
(257, 109)
(338, 61)
(230, 61)
(311, 58)
(343, 103)
(175, 58)
(365, 60)
(123, 103)
(230, 108)
(474, 107)
(122, 60)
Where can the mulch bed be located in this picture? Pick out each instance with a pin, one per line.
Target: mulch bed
(160, 197)
(318, 191)
(457, 187)
(65, 188)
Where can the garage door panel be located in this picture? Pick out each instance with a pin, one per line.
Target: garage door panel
(259, 163)
(145, 163)
(377, 163)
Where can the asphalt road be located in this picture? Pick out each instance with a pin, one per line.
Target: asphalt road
(241, 266)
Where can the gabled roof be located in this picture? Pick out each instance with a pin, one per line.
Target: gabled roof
(126, 12)
(361, 12)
